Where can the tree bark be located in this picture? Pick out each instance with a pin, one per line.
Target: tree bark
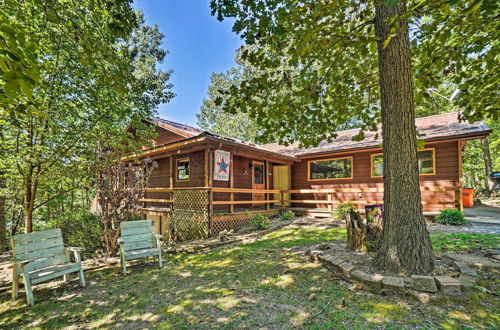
(405, 245)
(490, 184)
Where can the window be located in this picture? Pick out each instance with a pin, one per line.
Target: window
(258, 174)
(183, 169)
(330, 169)
(426, 163)
(377, 165)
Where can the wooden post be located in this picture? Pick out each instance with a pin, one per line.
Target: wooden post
(329, 197)
(210, 191)
(268, 205)
(207, 167)
(231, 184)
(282, 199)
(171, 169)
(168, 228)
(171, 179)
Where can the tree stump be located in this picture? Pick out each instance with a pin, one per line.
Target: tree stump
(362, 236)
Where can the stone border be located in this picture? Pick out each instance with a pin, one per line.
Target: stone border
(418, 285)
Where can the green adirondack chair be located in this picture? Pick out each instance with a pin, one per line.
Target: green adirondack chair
(41, 256)
(137, 240)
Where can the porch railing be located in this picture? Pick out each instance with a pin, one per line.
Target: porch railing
(285, 196)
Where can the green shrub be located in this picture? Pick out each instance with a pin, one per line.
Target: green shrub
(80, 229)
(451, 217)
(342, 209)
(260, 221)
(287, 215)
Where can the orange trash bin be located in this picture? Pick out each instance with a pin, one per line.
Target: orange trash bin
(468, 197)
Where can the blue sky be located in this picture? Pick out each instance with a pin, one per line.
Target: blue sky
(198, 44)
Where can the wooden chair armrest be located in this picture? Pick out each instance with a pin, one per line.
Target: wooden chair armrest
(76, 253)
(20, 262)
(74, 248)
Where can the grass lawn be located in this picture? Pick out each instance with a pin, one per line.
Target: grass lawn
(265, 284)
(464, 242)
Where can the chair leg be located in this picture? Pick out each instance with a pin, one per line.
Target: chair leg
(15, 283)
(82, 278)
(124, 265)
(66, 277)
(159, 259)
(29, 291)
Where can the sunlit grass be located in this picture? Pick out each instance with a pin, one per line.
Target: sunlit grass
(264, 284)
(463, 242)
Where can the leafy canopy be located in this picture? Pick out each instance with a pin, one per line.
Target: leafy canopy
(317, 61)
(98, 65)
(212, 117)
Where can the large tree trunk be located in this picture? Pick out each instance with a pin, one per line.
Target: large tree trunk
(405, 245)
(490, 184)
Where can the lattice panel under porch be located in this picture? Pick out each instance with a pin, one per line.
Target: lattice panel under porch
(190, 214)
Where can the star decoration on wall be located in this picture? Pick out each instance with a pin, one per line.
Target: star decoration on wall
(223, 166)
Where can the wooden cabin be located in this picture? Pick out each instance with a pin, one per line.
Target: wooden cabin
(221, 182)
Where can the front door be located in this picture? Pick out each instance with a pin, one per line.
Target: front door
(258, 180)
(281, 181)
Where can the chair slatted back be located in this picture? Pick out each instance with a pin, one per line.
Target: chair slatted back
(42, 248)
(137, 235)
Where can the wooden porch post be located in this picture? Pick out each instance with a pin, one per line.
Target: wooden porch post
(171, 185)
(268, 206)
(231, 183)
(329, 197)
(210, 155)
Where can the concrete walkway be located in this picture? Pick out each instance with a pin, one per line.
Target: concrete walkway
(484, 219)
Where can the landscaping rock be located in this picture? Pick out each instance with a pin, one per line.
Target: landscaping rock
(497, 257)
(373, 281)
(346, 268)
(475, 261)
(467, 281)
(395, 284)
(464, 268)
(324, 246)
(314, 255)
(423, 283)
(447, 284)
(330, 262)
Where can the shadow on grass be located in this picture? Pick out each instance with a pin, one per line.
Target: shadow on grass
(260, 284)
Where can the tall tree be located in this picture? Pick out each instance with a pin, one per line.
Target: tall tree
(322, 63)
(98, 65)
(405, 243)
(212, 118)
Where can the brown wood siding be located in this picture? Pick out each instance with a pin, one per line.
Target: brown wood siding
(446, 175)
(160, 178)
(166, 136)
(242, 179)
(197, 169)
